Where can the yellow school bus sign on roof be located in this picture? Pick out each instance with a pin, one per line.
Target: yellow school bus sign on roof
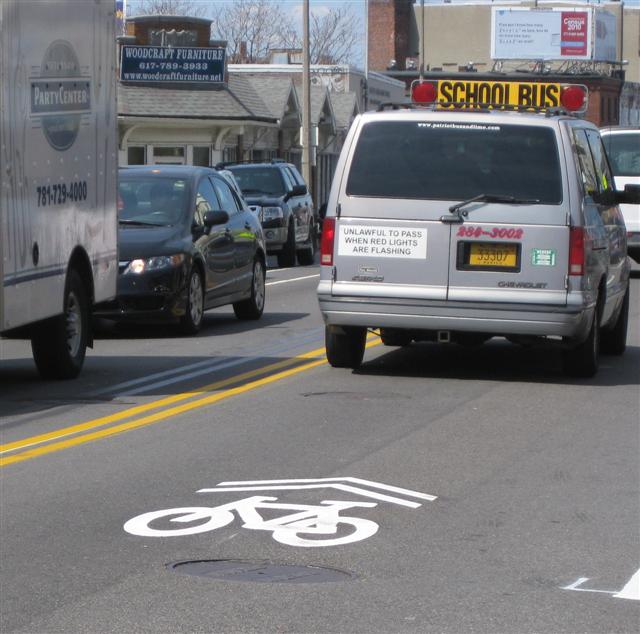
(450, 94)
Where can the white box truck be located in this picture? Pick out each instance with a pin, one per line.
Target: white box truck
(58, 174)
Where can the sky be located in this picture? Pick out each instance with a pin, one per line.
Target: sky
(357, 6)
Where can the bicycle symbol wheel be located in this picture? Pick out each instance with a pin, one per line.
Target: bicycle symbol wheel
(293, 534)
(215, 518)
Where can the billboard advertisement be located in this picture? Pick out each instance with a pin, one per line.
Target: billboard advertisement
(165, 64)
(571, 33)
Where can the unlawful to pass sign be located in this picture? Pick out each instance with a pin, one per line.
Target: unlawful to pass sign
(383, 242)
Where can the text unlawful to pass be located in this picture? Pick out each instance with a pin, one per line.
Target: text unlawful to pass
(385, 242)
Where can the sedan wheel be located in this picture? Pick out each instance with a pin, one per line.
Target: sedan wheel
(194, 309)
(253, 307)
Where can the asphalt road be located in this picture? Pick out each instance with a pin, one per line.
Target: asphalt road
(481, 490)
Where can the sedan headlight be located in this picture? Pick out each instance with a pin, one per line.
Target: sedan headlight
(271, 213)
(138, 266)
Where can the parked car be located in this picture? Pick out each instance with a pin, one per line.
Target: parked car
(277, 193)
(187, 243)
(623, 148)
(460, 225)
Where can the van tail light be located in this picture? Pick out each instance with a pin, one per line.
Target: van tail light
(576, 251)
(326, 242)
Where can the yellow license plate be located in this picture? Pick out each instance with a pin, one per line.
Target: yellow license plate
(499, 255)
(468, 93)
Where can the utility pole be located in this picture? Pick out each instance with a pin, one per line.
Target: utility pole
(306, 98)
(365, 100)
(422, 38)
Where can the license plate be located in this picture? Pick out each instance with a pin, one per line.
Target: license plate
(483, 254)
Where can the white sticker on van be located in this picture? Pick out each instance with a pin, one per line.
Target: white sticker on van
(382, 242)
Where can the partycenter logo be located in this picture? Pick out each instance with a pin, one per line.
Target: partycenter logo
(60, 96)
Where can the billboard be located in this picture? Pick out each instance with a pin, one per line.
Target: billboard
(165, 64)
(571, 33)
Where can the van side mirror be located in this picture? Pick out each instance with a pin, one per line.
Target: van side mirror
(630, 195)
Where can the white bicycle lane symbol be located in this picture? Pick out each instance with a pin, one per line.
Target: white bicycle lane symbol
(303, 525)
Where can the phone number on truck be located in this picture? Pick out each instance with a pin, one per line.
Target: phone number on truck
(60, 194)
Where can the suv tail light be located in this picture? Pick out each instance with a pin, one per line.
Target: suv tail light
(576, 251)
(326, 242)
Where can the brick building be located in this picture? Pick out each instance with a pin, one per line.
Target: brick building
(455, 38)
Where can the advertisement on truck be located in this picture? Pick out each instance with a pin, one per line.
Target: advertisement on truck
(58, 170)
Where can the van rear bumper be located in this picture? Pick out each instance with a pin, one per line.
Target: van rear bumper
(497, 319)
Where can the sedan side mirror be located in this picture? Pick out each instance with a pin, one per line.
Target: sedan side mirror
(630, 195)
(218, 217)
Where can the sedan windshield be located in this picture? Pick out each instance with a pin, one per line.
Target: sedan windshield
(151, 200)
(455, 161)
(623, 150)
(259, 180)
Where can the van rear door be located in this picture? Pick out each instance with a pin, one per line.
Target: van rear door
(390, 240)
(514, 246)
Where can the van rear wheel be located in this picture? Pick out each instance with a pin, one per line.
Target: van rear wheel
(59, 344)
(583, 360)
(391, 337)
(614, 341)
(345, 346)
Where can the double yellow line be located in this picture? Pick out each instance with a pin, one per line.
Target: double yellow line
(59, 439)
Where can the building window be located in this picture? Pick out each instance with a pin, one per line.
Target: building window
(201, 155)
(136, 155)
(263, 155)
(230, 154)
(173, 155)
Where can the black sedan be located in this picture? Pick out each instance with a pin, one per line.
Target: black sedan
(187, 243)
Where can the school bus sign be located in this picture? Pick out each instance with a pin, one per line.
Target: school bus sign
(450, 94)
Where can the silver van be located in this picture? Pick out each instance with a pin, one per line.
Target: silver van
(458, 226)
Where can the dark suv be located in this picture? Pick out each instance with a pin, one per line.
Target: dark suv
(277, 193)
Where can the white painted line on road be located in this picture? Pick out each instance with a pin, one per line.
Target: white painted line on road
(631, 590)
(293, 279)
(369, 483)
(321, 483)
(575, 586)
(340, 487)
(182, 373)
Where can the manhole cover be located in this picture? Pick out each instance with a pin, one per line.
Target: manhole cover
(258, 571)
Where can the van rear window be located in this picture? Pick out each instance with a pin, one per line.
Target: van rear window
(455, 161)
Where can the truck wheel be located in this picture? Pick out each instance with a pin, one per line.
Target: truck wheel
(60, 344)
(287, 257)
(345, 349)
(191, 321)
(306, 256)
(253, 307)
(582, 361)
(614, 341)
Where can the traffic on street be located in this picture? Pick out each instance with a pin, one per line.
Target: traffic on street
(234, 481)
(302, 338)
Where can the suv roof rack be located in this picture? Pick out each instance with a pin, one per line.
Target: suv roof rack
(274, 161)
